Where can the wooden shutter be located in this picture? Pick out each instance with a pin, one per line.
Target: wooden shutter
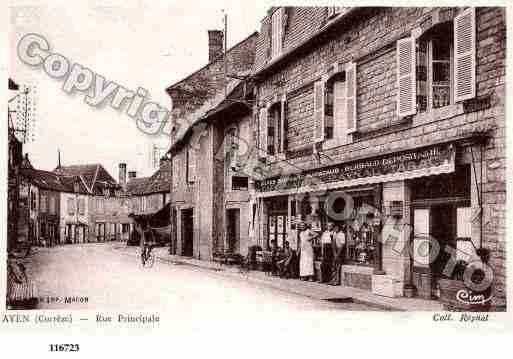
(283, 129)
(465, 55)
(339, 112)
(191, 164)
(351, 97)
(406, 77)
(262, 143)
(277, 32)
(318, 132)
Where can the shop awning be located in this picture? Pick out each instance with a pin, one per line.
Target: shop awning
(396, 167)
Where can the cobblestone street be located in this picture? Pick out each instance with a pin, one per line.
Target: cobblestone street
(111, 278)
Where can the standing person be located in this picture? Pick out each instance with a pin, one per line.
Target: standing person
(306, 259)
(327, 252)
(339, 244)
(292, 238)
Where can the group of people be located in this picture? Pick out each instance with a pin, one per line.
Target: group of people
(333, 242)
(300, 245)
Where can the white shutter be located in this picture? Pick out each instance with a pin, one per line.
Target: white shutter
(262, 143)
(191, 164)
(339, 112)
(406, 77)
(351, 97)
(465, 55)
(277, 32)
(318, 132)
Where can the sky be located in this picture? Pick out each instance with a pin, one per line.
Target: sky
(148, 44)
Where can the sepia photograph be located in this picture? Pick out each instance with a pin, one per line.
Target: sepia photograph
(268, 158)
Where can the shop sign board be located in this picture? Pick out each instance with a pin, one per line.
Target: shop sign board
(396, 163)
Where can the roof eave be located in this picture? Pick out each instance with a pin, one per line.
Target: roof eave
(285, 56)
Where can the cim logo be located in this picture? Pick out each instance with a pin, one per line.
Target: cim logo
(467, 297)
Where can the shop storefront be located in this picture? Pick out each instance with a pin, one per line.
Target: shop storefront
(385, 205)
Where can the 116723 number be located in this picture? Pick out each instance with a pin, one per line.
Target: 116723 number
(64, 347)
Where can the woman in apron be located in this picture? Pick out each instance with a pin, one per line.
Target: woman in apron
(306, 259)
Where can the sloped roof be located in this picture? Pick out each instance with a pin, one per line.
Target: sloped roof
(94, 176)
(204, 89)
(160, 181)
(51, 181)
(137, 185)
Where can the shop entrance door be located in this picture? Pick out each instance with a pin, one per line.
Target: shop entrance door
(188, 232)
(277, 228)
(434, 229)
(233, 230)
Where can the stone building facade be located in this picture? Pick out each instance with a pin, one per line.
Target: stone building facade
(198, 180)
(398, 111)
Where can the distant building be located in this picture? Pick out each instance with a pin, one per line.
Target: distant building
(94, 211)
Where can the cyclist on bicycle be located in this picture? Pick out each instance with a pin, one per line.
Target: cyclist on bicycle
(148, 239)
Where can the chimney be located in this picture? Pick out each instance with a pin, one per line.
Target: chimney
(132, 175)
(215, 44)
(164, 160)
(122, 175)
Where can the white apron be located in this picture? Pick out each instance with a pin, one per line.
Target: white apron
(306, 260)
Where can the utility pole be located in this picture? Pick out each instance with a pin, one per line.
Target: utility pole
(224, 57)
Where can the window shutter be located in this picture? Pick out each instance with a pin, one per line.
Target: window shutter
(277, 32)
(465, 55)
(351, 97)
(318, 132)
(191, 164)
(339, 111)
(283, 129)
(406, 77)
(263, 132)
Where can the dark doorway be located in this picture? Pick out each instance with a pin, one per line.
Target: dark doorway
(187, 232)
(233, 230)
(443, 230)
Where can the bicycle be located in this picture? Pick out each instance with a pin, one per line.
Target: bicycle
(147, 257)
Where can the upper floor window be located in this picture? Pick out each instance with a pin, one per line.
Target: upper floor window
(101, 205)
(231, 147)
(33, 201)
(277, 32)
(81, 206)
(191, 164)
(438, 68)
(434, 74)
(239, 183)
(52, 205)
(71, 206)
(42, 203)
(334, 101)
(76, 187)
(273, 128)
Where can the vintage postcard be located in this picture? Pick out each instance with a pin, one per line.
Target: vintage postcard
(169, 163)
